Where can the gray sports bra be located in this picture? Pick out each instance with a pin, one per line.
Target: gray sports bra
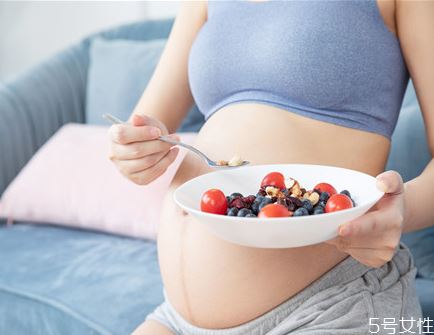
(334, 61)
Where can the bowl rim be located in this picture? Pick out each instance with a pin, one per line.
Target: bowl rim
(368, 204)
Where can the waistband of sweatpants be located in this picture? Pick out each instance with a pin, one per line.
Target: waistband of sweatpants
(344, 272)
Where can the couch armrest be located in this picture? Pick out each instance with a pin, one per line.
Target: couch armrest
(34, 104)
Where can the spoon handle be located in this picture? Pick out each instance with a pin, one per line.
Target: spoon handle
(187, 146)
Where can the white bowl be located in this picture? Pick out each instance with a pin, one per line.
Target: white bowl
(278, 232)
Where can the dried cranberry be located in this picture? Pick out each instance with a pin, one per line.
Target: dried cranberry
(238, 203)
(297, 202)
(249, 200)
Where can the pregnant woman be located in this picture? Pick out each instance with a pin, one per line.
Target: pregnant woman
(287, 82)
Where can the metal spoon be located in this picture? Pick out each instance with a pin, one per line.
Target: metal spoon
(210, 162)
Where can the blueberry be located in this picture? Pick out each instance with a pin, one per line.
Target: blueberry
(308, 205)
(347, 193)
(324, 196)
(243, 212)
(255, 205)
(265, 202)
(250, 215)
(318, 210)
(255, 208)
(354, 203)
(232, 211)
(301, 212)
(322, 203)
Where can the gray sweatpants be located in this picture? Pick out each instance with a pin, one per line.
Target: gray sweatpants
(350, 299)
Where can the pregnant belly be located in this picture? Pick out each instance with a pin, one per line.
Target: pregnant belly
(216, 284)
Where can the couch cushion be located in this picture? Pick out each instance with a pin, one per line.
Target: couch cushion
(425, 290)
(118, 73)
(421, 244)
(409, 134)
(64, 281)
(70, 181)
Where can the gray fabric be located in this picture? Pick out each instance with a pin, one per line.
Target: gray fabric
(340, 302)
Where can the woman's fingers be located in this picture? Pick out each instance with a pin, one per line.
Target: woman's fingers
(373, 238)
(139, 149)
(131, 166)
(148, 175)
(373, 224)
(125, 134)
(388, 215)
(143, 120)
(390, 182)
(137, 152)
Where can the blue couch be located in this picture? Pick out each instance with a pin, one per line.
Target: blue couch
(63, 281)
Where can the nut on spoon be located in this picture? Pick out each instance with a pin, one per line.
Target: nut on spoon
(233, 163)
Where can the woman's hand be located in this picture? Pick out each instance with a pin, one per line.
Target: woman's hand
(372, 239)
(137, 153)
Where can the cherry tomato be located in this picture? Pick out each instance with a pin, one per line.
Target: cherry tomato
(274, 179)
(324, 187)
(214, 201)
(274, 211)
(338, 202)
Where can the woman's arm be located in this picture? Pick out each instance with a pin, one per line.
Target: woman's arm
(167, 97)
(372, 238)
(415, 21)
(135, 148)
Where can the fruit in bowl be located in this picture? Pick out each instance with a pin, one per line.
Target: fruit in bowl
(245, 194)
(278, 197)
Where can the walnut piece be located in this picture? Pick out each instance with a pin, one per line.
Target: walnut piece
(296, 189)
(222, 163)
(313, 197)
(272, 191)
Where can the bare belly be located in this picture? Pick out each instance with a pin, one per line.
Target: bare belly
(216, 284)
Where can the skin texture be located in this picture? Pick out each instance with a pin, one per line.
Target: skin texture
(207, 279)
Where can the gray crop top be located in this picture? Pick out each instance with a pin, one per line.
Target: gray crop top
(334, 61)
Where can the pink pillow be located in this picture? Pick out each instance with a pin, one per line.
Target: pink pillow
(70, 181)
